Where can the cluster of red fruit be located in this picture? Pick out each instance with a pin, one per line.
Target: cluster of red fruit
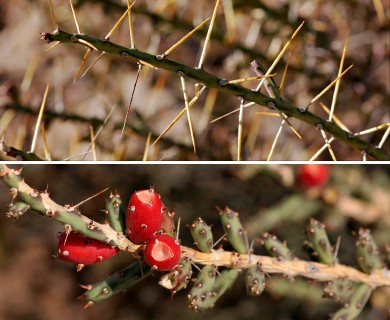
(149, 224)
(146, 216)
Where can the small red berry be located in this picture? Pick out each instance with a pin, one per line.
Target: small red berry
(310, 175)
(144, 215)
(162, 252)
(80, 249)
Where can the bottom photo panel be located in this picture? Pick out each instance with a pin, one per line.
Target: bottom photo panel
(204, 241)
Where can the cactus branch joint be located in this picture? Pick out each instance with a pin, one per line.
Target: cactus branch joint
(281, 260)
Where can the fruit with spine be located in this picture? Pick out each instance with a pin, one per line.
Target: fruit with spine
(144, 215)
(162, 252)
(81, 250)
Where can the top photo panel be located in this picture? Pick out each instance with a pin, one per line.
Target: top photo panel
(207, 80)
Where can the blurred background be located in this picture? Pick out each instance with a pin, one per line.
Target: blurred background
(244, 31)
(35, 285)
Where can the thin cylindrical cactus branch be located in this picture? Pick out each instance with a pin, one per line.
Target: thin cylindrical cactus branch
(41, 202)
(116, 213)
(116, 283)
(178, 278)
(367, 252)
(201, 291)
(202, 235)
(17, 209)
(356, 304)
(320, 241)
(296, 267)
(255, 280)
(234, 231)
(276, 248)
(212, 81)
(223, 282)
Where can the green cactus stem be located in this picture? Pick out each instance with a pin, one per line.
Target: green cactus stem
(255, 280)
(320, 241)
(212, 81)
(116, 283)
(201, 291)
(340, 290)
(368, 254)
(116, 212)
(43, 204)
(202, 235)
(234, 231)
(276, 248)
(178, 278)
(293, 208)
(356, 304)
(17, 209)
(222, 283)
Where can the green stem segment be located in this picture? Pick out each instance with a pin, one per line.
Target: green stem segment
(213, 81)
(116, 213)
(355, 306)
(43, 204)
(118, 282)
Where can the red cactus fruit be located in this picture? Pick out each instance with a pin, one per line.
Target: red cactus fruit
(144, 215)
(310, 175)
(162, 252)
(82, 250)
